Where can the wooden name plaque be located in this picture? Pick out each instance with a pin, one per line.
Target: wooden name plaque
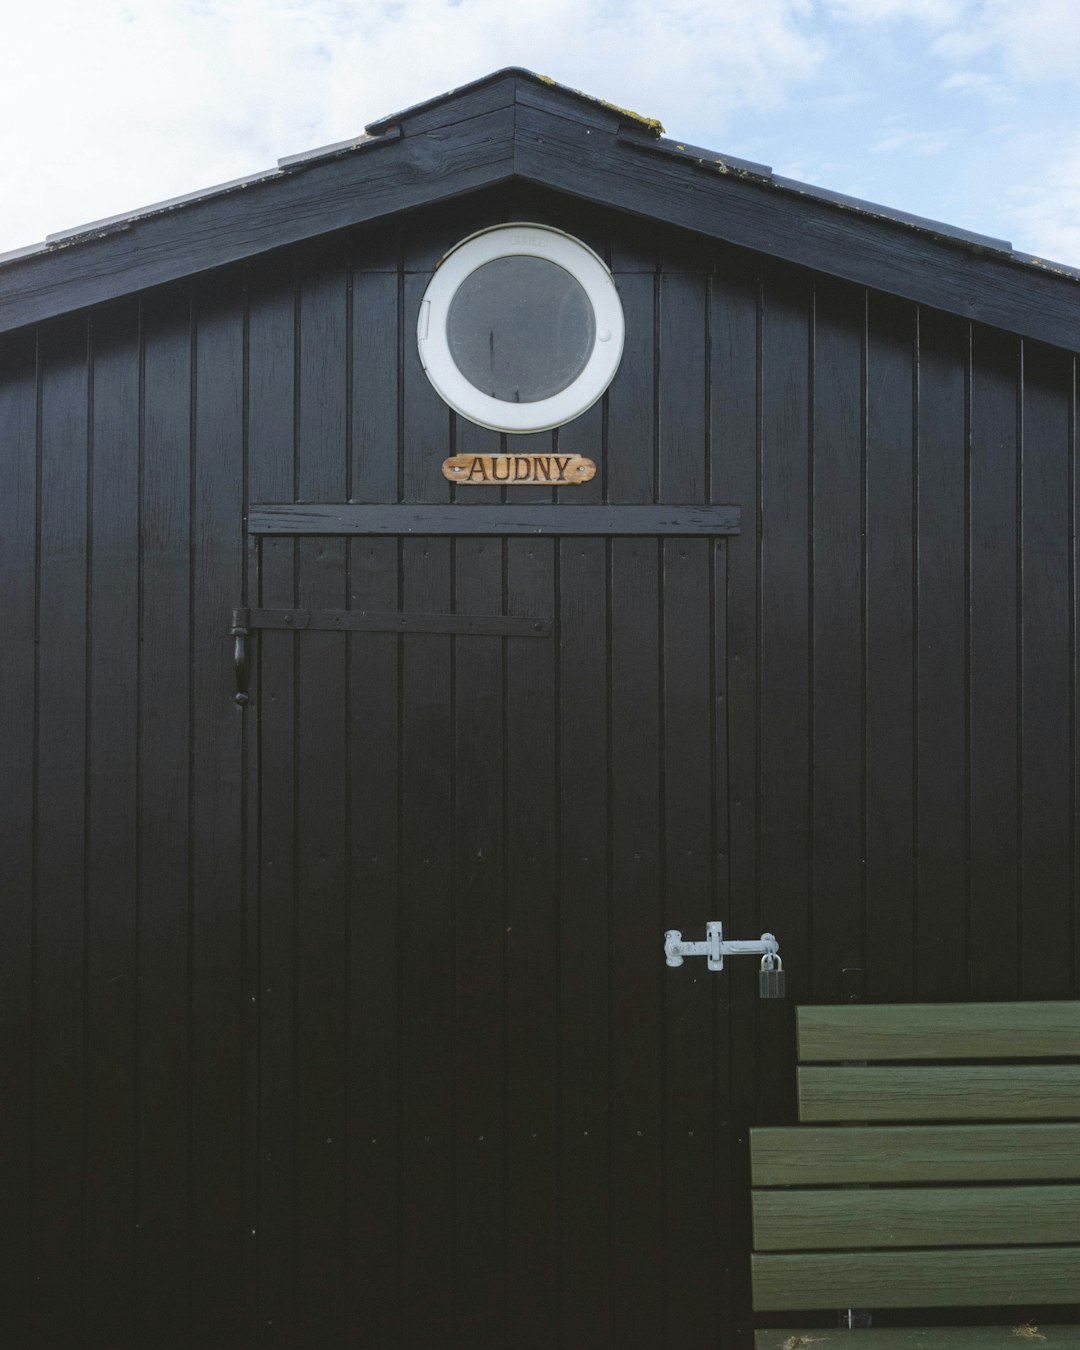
(487, 469)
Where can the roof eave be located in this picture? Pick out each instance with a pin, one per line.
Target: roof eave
(517, 125)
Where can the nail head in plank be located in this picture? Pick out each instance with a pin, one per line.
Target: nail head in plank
(961, 1092)
(878, 1154)
(1044, 1030)
(975, 1276)
(323, 518)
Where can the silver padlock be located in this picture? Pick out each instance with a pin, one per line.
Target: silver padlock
(771, 977)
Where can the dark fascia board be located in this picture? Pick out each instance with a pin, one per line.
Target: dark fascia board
(525, 86)
(381, 177)
(972, 276)
(517, 124)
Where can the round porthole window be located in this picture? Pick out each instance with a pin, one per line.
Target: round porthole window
(521, 328)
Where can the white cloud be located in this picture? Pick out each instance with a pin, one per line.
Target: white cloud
(978, 83)
(1035, 41)
(110, 106)
(937, 13)
(912, 142)
(964, 80)
(1047, 210)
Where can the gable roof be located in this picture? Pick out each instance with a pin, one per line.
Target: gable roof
(514, 124)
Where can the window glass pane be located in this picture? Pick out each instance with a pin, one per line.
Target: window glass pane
(520, 329)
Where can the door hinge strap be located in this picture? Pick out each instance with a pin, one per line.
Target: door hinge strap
(370, 621)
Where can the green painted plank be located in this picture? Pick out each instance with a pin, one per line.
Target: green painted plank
(964, 1092)
(923, 1338)
(939, 1031)
(973, 1277)
(806, 1155)
(915, 1216)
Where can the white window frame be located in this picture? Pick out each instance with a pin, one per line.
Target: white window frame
(537, 241)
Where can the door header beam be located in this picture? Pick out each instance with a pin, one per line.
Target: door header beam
(351, 518)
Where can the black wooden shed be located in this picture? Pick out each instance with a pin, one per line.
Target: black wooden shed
(340, 1017)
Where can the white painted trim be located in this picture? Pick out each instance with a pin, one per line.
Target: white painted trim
(538, 241)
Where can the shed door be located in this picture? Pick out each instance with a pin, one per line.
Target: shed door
(488, 1114)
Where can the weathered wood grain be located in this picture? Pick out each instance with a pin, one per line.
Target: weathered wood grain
(962, 1092)
(940, 790)
(994, 597)
(349, 518)
(19, 568)
(1048, 1030)
(838, 679)
(285, 208)
(925, 1338)
(836, 1155)
(163, 930)
(112, 833)
(58, 869)
(484, 470)
(393, 621)
(992, 1276)
(915, 1216)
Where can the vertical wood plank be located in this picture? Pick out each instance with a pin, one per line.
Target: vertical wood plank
(470, 439)
(890, 660)
(376, 950)
(734, 327)
(59, 864)
(784, 658)
(994, 821)
(533, 927)
(220, 1236)
(686, 810)
(690, 1181)
(427, 971)
(322, 814)
(585, 436)
(1074, 650)
(425, 418)
(629, 469)
(111, 836)
(480, 936)
(375, 386)
(1045, 672)
(681, 390)
(531, 443)
(637, 1211)
(726, 1137)
(585, 975)
(534, 202)
(165, 686)
(942, 655)
(18, 579)
(270, 412)
(837, 607)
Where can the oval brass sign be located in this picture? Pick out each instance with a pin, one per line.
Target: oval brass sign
(487, 469)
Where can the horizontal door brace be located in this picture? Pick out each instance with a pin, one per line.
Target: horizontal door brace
(509, 518)
(370, 621)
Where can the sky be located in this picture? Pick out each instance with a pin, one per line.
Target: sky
(966, 111)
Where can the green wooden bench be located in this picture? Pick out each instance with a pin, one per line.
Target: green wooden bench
(914, 1183)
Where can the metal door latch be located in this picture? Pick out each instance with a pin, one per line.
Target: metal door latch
(714, 949)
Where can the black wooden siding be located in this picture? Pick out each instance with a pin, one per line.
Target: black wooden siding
(899, 729)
